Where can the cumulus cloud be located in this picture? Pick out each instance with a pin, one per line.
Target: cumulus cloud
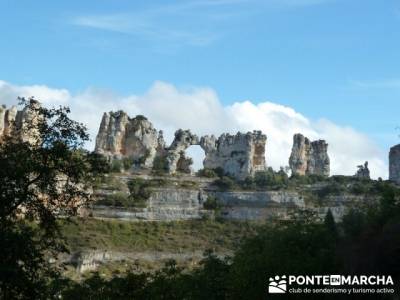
(199, 109)
(46, 95)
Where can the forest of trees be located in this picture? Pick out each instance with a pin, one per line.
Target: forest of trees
(40, 180)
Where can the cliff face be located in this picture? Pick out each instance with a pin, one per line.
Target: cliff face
(394, 164)
(164, 204)
(120, 136)
(239, 155)
(172, 203)
(309, 158)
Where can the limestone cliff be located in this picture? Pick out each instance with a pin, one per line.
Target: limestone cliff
(394, 164)
(309, 158)
(121, 136)
(239, 155)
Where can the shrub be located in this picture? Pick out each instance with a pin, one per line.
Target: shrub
(116, 166)
(225, 183)
(211, 203)
(360, 188)
(141, 118)
(269, 178)
(127, 163)
(333, 188)
(188, 184)
(160, 165)
(219, 171)
(296, 179)
(118, 199)
(209, 173)
(138, 190)
(248, 183)
(110, 182)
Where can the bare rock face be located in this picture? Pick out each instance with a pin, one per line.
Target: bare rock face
(309, 158)
(176, 159)
(14, 121)
(7, 119)
(239, 155)
(120, 136)
(363, 171)
(394, 164)
(184, 164)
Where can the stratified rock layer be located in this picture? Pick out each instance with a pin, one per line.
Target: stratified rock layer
(309, 158)
(394, 164)
(121, 136)
(239, 155)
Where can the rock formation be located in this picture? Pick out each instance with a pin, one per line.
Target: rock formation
(309, 158)
(239, 155)
(13, 121)
(120, 136)
(363, 171)
(7, 118)
(176, 158)
(394, 164)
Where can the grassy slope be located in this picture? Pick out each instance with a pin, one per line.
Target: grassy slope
(176, 236)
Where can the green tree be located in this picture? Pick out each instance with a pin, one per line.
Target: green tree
(160, 165)
(139, 190)
(210, 280)
(297, 247)
(41, 177)
(330, 224)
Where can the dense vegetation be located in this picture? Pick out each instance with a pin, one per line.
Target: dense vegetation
(366, 242)
(41, 176)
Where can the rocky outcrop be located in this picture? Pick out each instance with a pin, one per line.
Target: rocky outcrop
(7, 119)
(394, 164)
(173, 203)
(89, 260)
(120, 136)
(239, 155)
(363, 171)
(15, 122)
(176, 158)
(309, 158)
(164, 204)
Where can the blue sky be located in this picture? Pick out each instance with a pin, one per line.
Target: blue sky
(333, 59)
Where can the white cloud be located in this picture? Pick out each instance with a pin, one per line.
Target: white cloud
(42, 92)
(200, 110)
